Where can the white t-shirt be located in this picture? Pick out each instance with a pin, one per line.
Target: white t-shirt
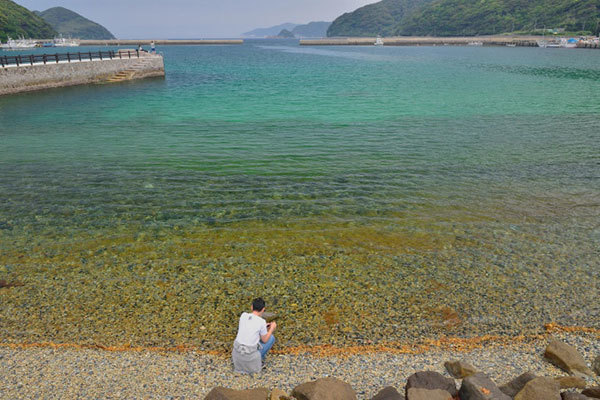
(251, 328)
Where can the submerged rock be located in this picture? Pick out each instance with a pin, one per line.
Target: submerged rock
(541, 388)
(324, 389)
(513, 387)
(567, 358)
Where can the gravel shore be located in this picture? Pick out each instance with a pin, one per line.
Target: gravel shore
(47, 373)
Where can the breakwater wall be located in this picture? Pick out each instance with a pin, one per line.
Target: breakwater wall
(520, 41)
(53, 71)
(146, 42)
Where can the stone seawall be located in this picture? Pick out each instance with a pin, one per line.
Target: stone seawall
(44, 76)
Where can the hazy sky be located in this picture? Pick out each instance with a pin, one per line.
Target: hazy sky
(197, 18)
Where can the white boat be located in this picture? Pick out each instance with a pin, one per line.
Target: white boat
(511, 45)
(19, 44)
(378, 42)
(63, 42)
(568, 43)
(549, 44)
(475, 44)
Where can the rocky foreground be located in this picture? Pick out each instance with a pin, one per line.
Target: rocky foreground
(47, 373)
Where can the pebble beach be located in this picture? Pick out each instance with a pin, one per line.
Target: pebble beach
(52, 373)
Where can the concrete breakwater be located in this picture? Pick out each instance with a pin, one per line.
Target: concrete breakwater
(520, 41)
(146, 42)
(31, 74)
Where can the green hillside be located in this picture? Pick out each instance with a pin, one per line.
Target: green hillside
(17, 21)
(70, 24)
(485, 17)
(374, 19)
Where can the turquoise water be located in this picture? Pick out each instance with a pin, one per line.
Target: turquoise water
(476, 159)
(309, 130)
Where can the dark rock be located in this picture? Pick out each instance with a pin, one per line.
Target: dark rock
(541, 388)
(573, 396)
(513, 387)
(431, 380)
(568, 382)
(480, 387)
(566, 357)
(459, 369)
(270, 316)
(5, 284)
(221, 393)
(324, 389)
(593, 392)
(388, 393)
(425, 394)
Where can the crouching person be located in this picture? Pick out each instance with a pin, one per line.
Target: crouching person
(254, 339)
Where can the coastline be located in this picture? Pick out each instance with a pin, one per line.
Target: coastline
(35, 372)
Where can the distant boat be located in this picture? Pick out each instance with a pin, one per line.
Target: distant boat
(568, 43)
(558, 44)
(378, 42)
(19, 44)
(511, 45)
(62, 42)
(475, 44)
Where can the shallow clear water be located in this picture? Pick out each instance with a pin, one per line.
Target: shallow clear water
(381, 151)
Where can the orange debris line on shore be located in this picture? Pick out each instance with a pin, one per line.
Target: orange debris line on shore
(326, 350)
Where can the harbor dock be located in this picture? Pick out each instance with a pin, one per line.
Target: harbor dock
(146, 42)
(516, 41)
(24, 73)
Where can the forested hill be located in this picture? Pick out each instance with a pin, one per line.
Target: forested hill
(467, 17)
(70, 24)
(476, 17)
(374, 19)
(17, 21)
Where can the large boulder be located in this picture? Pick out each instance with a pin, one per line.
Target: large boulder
(567, 357)
(426, 394)
(221, 393)
(593, 392)
(459, 369)
(571, 382)
(513, 387)
(388, 393)
(573, 396)
(324, 389)
(431, 380)
(541, 388)
(480, 387)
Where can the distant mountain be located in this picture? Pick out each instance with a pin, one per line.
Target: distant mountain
(70, 24)
(17, 21)
(476, 17)
(312, 30)
(285, 34)
(467, 17)
(380, 18)
(272, 31)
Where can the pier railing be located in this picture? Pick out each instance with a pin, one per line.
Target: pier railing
(36, 59)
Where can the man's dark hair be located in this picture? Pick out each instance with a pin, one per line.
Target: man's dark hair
(258, 304)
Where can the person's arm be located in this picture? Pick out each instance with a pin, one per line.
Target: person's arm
(265, 338)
